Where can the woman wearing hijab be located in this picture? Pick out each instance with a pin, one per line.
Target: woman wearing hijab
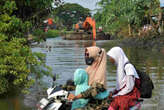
(95, 58)
(81, 82)
(126, 93)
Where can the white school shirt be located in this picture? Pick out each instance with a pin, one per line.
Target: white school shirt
(129, 80)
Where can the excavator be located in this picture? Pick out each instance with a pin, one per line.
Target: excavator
(87, 25)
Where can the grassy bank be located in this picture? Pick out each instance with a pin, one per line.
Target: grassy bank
(39, 35)
(52, 33)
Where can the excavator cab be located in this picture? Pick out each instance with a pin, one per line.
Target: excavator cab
(87, 25)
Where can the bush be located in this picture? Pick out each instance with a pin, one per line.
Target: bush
(17, 63)
(19, 67)
(38, 32)
(52, 33)
(39, 35)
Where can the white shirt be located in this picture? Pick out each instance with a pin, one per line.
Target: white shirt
(125, 81)
(130, 82)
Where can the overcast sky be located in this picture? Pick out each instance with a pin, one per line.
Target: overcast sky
(91, 4)
(162, 3)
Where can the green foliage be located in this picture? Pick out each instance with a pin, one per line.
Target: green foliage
(38, 32)
(19, 67)
(38, 35)
(33, 10)
(12, 26)
(14, 58)
(70, 14)
(17, 62)
(52, 33)
(115, 15)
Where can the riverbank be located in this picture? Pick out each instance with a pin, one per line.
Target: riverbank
(146, 42)
(39, 35)
(150, 42)
(73, 35)
(153, 41)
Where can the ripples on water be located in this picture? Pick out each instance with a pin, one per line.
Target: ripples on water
(66, 56)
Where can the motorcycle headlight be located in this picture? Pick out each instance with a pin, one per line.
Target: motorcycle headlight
(43, 103)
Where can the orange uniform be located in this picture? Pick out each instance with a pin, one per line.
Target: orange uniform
(50, 21)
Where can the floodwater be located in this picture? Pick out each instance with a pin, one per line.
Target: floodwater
(65, 56)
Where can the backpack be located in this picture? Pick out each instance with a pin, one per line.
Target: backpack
(146, 85)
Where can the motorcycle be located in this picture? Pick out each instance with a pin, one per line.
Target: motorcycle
(56, 100)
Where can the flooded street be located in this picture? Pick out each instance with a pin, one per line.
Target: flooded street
(65, 56)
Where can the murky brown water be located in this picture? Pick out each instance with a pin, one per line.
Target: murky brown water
(66, 56)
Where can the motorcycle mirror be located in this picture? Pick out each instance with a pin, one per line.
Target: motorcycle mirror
(54, 77)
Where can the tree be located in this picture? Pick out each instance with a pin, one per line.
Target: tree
(117, 14)
(19, 67)
(70, 14)
(34, 10)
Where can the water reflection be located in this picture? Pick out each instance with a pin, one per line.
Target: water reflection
(66, 56)
(13, 103)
